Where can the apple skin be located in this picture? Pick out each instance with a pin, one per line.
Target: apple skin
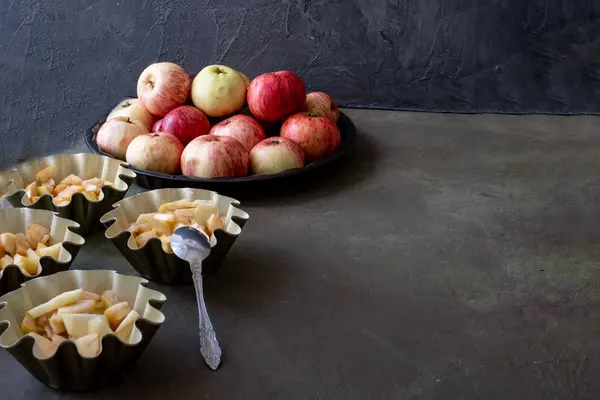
(218, 90)
(317, 136)
(275, 95)
(115, 135)
(163, 86)
(186, 123)
(242, 128)
(276, 154)
(323, 105)
(157, 126)
(133, 109)
(157, 151)
(211, 156)
(247, 80)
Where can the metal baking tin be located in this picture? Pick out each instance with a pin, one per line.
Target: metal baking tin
(81, 210)
(16, 220)
(150, 260)
(67, 370)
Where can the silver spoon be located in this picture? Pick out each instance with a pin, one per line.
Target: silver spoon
(191, 245)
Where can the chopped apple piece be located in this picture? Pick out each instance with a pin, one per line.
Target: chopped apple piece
(99, 325)
(48, 331)
(109, 298)
(9, 242)
(21, 244)
(203, 211)
(58, 188)
(139, 228)
(92, 189)
(61, 300)
(143, 238)
(165, 242)
(85, 295)
(214, 222)
(51, 251)
(42, 190)
(28, 325)
(31, 190)
(32, 256)
(57, 324)
(144, 218)
(72, 180)
(2, 251)
(44, 346)
(89, 345)
(5, 261)
(163, 223)
(90, 196)
(28, 267)
(35, 234)
(77, 324)
(94, 181)
(174, 205)
(126, 326)
(116, 314)
(185, 212)
(44, 175)
(80, 307)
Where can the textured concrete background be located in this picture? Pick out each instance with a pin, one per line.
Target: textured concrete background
(63, 63)
(450, 257)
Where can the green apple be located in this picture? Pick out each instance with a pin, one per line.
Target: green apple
(218, 91)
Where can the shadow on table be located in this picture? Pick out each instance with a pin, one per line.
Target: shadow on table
(249, 279)
(350, 170)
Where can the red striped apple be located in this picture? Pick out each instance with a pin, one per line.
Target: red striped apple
(242, 128)
(163, 86)
(211, 156)
(275, 95)
(133, 109)
(218, 91)
(157, 126)
(186, 123)
(317, 136)
(115, 135)
(274, 155)
(323, 105)
(157, 151)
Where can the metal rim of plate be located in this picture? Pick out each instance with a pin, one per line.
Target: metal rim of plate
(155, 180)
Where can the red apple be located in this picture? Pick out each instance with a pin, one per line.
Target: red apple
(214, 157)
(133, 109)
(115, 135)
(275, 95)
(157, 151)
(274, 155)
(323, 105)
(218, 91)
(242, 128)
(186, 123)
(162, 87)
(317, 136)
(157, 126)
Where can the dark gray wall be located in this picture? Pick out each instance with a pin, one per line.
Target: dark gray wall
(62, 63)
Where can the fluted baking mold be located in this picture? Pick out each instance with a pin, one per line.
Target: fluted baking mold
(150, 260)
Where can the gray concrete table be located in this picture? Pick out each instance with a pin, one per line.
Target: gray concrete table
(448, 257)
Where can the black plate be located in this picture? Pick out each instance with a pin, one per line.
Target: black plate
(156, 180)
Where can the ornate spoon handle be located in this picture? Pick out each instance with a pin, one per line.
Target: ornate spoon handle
(209, 345)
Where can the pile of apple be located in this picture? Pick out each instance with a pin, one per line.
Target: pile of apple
(167, 127)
